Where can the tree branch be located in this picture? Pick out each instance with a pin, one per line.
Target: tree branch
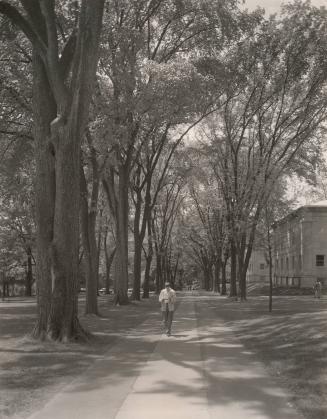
(19, 20)
(67, 55)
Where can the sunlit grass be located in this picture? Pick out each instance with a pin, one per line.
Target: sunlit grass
(292, 342)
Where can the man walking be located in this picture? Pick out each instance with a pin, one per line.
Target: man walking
(167, 298)
(317, 288)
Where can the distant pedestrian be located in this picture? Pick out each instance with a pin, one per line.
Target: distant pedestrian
(317, 289)
(167, 298)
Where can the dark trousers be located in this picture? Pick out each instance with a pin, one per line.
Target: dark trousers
(167, 318)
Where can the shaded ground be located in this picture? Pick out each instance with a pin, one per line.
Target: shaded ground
(31, 372)
(194, 374)
(292, 342)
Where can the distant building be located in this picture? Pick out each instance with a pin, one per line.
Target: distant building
(258, 270)
(300, 246)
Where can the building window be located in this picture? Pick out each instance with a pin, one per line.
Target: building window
(320, 260)
(300, 262)
(293, 262)
(262, 266)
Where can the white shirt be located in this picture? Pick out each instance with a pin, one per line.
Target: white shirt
(167, 296)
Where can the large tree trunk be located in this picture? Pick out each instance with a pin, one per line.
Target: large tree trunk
(62, 89)
(44, 110)
(146, 283)
(159, 279)
(242, 269)
(223, 278)
(146, 288)
(139, 233)
(90, 247)
(121, 258)
(175, 271)
(63, 323)
(270, 261)
(98, 249)
(242, 253)
(138, 239)
(137, 269)
(29, 273)
(206, 273)
(270, 279)
(60, 118)
(217, 275)
(109, 260)
(233, 270)
(92, 273)
(245, 252)
(165, 270)
(212, 277)
(243, 285)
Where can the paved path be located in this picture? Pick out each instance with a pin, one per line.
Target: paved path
(198, 373)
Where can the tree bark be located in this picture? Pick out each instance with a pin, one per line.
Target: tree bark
(29, 273)
(146, 283)
(138, 240)
(149, 256)
(44, 111)
(62, 323)
(270, 259)
(60, 115)
(223, 278)
(140, 226)
(207, 272)
(233, 267)
(109, 260)
(175, 271)
(217, 275)
(121, 258)
(159, 279)
(98, 249)
(244, 253)
(90, 247)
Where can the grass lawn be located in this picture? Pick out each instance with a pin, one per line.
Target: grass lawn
(31, 372)
(292, 342)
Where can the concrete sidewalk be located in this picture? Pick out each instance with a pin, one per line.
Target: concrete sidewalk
(194, 374)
